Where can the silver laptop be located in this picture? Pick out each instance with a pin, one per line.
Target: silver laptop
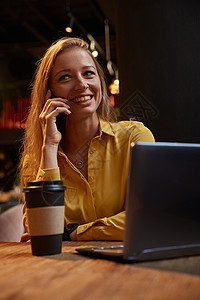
(162, 204)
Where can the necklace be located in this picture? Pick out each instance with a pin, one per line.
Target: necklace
(79, 164)
(80, 159)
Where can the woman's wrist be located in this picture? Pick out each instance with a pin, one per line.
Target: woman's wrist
(50, 147)
(70, 232)
(73, 235)
(49, 157)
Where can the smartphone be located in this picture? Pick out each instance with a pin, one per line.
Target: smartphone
(60, 122)
(60, 119)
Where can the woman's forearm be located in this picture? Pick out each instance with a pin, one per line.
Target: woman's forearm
(49, 157)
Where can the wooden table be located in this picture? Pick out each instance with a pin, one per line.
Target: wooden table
(72, 276)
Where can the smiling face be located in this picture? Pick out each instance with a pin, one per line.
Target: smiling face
(74, 77)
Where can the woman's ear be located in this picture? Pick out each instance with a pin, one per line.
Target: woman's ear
(48, 94)
(51, 95)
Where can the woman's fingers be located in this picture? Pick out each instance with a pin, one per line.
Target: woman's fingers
(52, 108)
(52, 105)
(57, 111)
(49, 98)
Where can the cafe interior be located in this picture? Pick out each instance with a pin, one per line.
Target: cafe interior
(150, 55)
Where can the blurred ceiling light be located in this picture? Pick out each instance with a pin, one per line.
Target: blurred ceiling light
(107, 42)
(116, 81)
(110, 68)
(68, 29)
(71, 23)
(92, 48)
(114, 86)
(92, 45)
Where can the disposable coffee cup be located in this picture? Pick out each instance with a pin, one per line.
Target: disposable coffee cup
(45, 216)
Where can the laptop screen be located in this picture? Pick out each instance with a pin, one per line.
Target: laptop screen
(163, 198)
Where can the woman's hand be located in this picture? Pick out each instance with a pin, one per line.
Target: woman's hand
(73, 235)
(52, 108)
(51, 135)
(25, 237)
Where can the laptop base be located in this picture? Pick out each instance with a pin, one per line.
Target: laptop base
(117, 253)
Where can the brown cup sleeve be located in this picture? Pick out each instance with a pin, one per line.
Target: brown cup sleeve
(45, 220)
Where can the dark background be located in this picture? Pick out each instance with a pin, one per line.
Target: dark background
(159, 63)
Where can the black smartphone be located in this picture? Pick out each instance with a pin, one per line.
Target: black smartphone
(60, 122)
(60, 119)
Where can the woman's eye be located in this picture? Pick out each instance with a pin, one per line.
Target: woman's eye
(89, 73)
(64, 77)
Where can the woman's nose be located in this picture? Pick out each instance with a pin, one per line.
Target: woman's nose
(81, 83)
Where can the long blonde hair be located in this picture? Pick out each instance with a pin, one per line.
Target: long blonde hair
(33, 135)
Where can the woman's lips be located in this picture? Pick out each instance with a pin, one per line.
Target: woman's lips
(82, 99)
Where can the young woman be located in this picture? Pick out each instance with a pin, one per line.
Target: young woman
(89, 151)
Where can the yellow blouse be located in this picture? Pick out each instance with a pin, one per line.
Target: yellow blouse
(97, 204)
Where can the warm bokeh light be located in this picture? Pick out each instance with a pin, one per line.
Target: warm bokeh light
(95, 53)
(114, 87)
(68, 29)
(116, 81)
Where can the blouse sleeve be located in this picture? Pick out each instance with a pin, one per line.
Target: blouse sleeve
(108, 228)
(141, 133)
